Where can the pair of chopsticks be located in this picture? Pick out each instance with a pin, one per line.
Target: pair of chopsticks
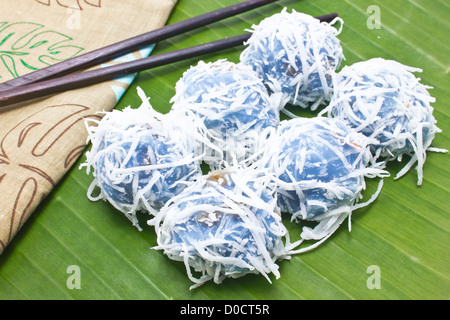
(58, 78)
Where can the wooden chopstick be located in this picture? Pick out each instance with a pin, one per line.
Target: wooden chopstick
(78, 80)
(117, 49)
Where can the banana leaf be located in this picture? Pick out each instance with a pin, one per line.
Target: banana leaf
(402, 238)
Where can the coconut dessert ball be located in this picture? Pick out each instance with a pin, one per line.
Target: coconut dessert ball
(138, 161)
(231, 109)
(320, 165)
(384, 100)
(297, 55)
(225, 225)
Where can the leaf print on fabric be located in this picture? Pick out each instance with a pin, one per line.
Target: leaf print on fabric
(73, 4)
(29, 46)
(30, 152)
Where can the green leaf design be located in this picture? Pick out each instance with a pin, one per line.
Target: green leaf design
(36, 46)
(405, 232)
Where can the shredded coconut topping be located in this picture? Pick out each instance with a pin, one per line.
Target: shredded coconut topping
(320, 165)
(139, 160)
(223, 230)
(384, 100)
(296, 55)
(230, 110)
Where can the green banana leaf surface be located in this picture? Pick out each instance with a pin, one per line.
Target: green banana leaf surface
(397, 247)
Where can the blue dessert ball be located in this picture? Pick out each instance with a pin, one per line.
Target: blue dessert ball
(123, 179)
(320, 165)
(231, 108)
(224, 225)
(383, 100)
(139, 163)
(296, 55)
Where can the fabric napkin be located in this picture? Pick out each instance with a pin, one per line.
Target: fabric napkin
(40, 140)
